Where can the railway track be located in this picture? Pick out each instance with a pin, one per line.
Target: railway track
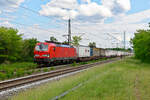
(4, 85)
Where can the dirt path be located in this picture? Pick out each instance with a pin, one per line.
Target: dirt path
(137, 92)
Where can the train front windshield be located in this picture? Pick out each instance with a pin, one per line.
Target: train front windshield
(41, 47)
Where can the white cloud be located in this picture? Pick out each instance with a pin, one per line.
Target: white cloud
(134, 18)
(36, 31)
(117, 6)
(6, 24)
(96, 31)
(62, 8)
(0, 12)
(85, 1)
(87, 9)
(71, 8)
(9, 5)
(94, 9)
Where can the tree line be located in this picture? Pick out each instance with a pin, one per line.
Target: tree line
(13, 47)
(141, 44)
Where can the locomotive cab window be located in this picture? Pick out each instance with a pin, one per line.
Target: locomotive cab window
(41, 47)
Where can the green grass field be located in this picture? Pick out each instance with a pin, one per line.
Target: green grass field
(127, 79)
(8, 71)
(19, 69)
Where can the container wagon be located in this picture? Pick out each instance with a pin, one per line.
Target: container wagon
(95, 53)
(83, 53)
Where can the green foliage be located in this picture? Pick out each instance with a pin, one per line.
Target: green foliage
(120, 49)
(92, 44)
(20, 73)
(52, 68)
(141, 45)
(83, 63)
(13, 47)
(29, 72)
(74, 64)
(2, 76)
(10, 44)
(15, 70)
(113, 81)
(65, 42)
(76, 40)
(53, 39)
(45, 69)
(28, 49)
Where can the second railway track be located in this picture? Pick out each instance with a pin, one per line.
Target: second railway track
(4, 85)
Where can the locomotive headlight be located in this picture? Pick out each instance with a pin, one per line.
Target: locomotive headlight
(36, 55)
(47, 55)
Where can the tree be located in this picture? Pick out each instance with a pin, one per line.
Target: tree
(65, 42)
(53, 39)
(141, 45)
(28, 49)
(76, 40)
(10, 44)
(92, 44)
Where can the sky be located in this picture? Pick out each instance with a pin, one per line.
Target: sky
(100, 21)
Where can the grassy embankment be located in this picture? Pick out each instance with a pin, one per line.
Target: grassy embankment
(8, 71)
(123, 80)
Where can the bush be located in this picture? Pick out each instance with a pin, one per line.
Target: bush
(141, 45)
(20, 73)
(16, 69)
(52, 68)
(83, 63)
(74, 64)
(28, 49)
(29, 72)
(45, 69)
(10, 43)
(2, 76)
(13, 47)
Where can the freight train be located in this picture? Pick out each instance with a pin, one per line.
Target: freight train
(50, 52)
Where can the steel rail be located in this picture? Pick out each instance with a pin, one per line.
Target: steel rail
(4, 85)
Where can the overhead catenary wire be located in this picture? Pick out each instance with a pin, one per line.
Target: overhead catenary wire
(121, 42)
(29, 9)
(36, 12)
(33, 27)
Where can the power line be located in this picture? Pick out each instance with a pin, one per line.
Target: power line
(29, 9)
(36, 12)
(33, 27)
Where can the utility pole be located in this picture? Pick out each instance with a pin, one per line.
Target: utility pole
(124, 39)
(69, 31)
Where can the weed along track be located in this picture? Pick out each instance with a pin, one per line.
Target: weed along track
(4, 85)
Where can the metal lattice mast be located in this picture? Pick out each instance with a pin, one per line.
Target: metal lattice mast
(124, 40)
(69, 31)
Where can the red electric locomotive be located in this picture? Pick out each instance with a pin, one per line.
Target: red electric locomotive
(48, 52)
